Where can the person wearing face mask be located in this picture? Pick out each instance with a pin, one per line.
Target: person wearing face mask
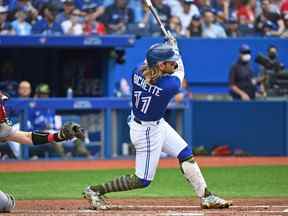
(270, 68)
(273, 53)
(241, 84)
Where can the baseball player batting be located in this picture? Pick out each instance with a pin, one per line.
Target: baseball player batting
(154, 84)
(8, 133)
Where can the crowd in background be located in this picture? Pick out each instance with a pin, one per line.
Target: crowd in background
(186, 18)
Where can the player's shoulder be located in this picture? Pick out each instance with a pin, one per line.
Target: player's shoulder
(169, 82)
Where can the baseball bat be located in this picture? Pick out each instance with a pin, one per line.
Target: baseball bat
(155, 14)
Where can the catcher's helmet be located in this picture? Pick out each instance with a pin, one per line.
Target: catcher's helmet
(7, 202)
(161, 52)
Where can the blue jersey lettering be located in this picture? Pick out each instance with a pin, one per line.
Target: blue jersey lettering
(150, 101)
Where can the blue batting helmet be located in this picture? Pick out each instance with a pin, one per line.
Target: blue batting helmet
(161, 52)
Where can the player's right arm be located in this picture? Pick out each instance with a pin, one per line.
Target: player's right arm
(180, 72)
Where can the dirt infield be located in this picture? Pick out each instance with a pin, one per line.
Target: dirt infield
(145, 206)
(149, 207)
(42, 165)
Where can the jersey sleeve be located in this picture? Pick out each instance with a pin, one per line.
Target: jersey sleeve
(171, 84)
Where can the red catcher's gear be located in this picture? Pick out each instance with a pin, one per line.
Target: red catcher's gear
(3, 116)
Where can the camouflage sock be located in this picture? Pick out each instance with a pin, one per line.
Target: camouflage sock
(122, 183)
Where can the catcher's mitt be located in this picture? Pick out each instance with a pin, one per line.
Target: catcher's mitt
(71, 130)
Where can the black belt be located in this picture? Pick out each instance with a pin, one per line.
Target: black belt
(140, 122)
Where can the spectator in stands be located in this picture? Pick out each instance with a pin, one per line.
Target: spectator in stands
(68, 8)
(220, 19)
(141, 27)
(5, 27)
(73, 25)
(164, 12)
(24, 91)
(224, 9)
(175, 26)
(96, 8)
(175, 6)
(117, 16)
(137, 6)
(275, 6)
(267, 27)
(284, 7)
(270, 72)
(26, 6)
(245, 12)
(210, 29)
(39, 4)
(195, 27)
(285, 33)
(245, 28)
(91, 26)
(204, 5)
(188, 10)
(267, 16)
(241, 84)
(232, 28)
(47, 25)
(20, 26)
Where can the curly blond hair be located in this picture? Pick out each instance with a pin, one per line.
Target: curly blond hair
(151, 74)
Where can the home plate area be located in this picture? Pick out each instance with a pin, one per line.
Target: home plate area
(151, 206)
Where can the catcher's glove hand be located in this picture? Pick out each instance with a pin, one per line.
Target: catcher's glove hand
(71, 130)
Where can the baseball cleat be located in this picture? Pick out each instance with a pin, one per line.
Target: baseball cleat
(96, 200)
(214, 202)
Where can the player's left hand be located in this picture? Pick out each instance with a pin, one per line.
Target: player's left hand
(71, 130)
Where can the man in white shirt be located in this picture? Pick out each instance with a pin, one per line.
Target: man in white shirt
(210, 28)
(186, 11)
(73, 26)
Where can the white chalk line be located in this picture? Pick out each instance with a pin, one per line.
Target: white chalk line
(171, 208)
(198, 206)
(181, 214)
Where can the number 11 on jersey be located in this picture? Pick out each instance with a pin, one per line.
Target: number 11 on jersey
(145, 101)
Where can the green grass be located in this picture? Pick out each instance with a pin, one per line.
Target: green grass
(260, 181)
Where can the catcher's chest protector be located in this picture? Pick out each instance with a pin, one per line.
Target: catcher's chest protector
(3, 117)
